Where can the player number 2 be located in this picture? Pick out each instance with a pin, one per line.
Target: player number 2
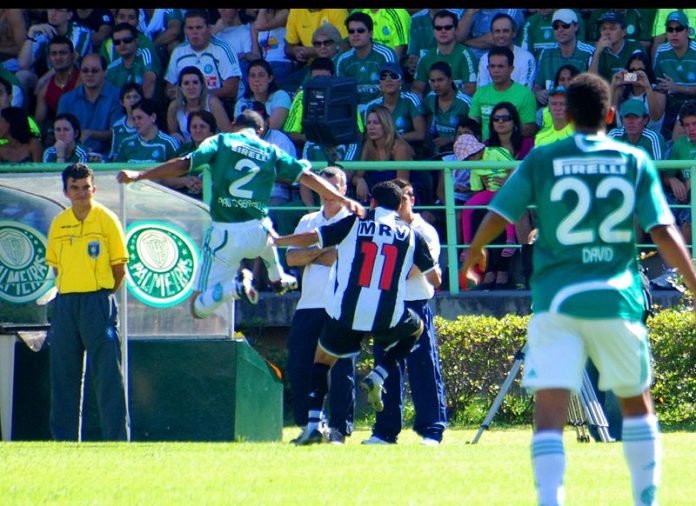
(235, 188)
(568, 232)
(370, 251)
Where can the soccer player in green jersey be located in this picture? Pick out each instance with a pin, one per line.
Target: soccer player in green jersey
(586, 289)
(243, 169)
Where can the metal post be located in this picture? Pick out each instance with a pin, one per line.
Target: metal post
(450, 219)
(123, 315)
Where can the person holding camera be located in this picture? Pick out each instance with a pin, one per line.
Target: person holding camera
(612, 49)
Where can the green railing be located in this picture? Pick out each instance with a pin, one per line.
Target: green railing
(446, 166)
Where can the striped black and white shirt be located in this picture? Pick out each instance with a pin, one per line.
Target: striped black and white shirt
(375, 255)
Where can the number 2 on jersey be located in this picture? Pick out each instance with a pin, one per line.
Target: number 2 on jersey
(568, 232)
(370, 251)
(235, 187)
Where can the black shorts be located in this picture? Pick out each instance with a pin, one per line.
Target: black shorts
(339, 340)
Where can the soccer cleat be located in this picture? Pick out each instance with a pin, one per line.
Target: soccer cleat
(245, 287)
(373, 389)
(426, 441)
(309, 437)
(285, 284)
(336, 437)
(374, 440)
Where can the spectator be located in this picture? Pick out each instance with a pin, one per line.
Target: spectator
(200, 125)
(33, 58)
(381, 143)
(7, 100)
(66, 76)
(484, 183)
(237, 34)
(214, 59)
(567, 50)
(390, 28)
(94, 103)
(537, 32)
(133, 64)
(148, 144)
(558, 127)
(642, 88)
(15, 83)
(13, 31)
(612, 49)
(503, 89)
(100, 22)
(405, 107)
(635, 117)
(66, 129)
(421, 37)
(675, 69)
(423, 361)
(564, 74)
(130, 16)
(634, 22)
(301, 25)
(193, 95)
(268, 34)
(659, 24)
(504, 31)
(474, 28)
(21, 145)
(263, 88)
(444, 107)
(364, 59)
(163, 27)
(684, 148)
(310, 317)
(130, 94)
(506, 131)
(327, 41)
(460, 59)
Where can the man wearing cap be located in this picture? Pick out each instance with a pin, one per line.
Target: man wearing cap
(612, 50)
(559, 127)
(537, 31)
(364, 59)
(678, 182)
(675, 68)
(638, 24)
(634, 118)
(460, 58)
(504, 31)
(568, 50)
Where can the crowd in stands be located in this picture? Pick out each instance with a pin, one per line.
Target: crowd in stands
(144, 85)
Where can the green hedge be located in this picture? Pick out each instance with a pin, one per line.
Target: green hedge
(477, 353)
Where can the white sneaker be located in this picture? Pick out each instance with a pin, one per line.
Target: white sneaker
(372, 386)
(374, 440)
(426, 441)
(245, 287)
(285, 284)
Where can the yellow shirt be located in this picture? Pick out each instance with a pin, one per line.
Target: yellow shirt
(550, 135)
(302, 23)
(83, 252)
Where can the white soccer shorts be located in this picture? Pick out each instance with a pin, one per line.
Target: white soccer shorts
(558, 347)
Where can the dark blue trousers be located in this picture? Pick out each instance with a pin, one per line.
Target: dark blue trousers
(86, 322)
(425, 379)
(306, 328)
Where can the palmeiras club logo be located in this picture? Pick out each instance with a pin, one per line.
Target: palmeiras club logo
(24, 275)
(163, 261)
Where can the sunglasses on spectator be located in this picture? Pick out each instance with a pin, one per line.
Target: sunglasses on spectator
(501, 118)
(389, 76)
(325, 43)
(90, 70)
(127, 40)
(675, 29)
(357, 30)
(439, 28)
(558, 26)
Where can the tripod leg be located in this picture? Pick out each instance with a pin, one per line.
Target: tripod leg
(593, 408)
(501, 395)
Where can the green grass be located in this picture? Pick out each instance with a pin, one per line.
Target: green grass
(495, 471)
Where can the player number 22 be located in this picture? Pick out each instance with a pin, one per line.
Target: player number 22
(568, 232)
(235, 188)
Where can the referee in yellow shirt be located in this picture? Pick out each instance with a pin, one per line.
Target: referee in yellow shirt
(87, 250)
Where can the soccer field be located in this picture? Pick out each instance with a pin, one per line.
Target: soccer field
(495, 471)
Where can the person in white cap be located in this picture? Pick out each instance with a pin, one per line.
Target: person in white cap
(568, 50)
